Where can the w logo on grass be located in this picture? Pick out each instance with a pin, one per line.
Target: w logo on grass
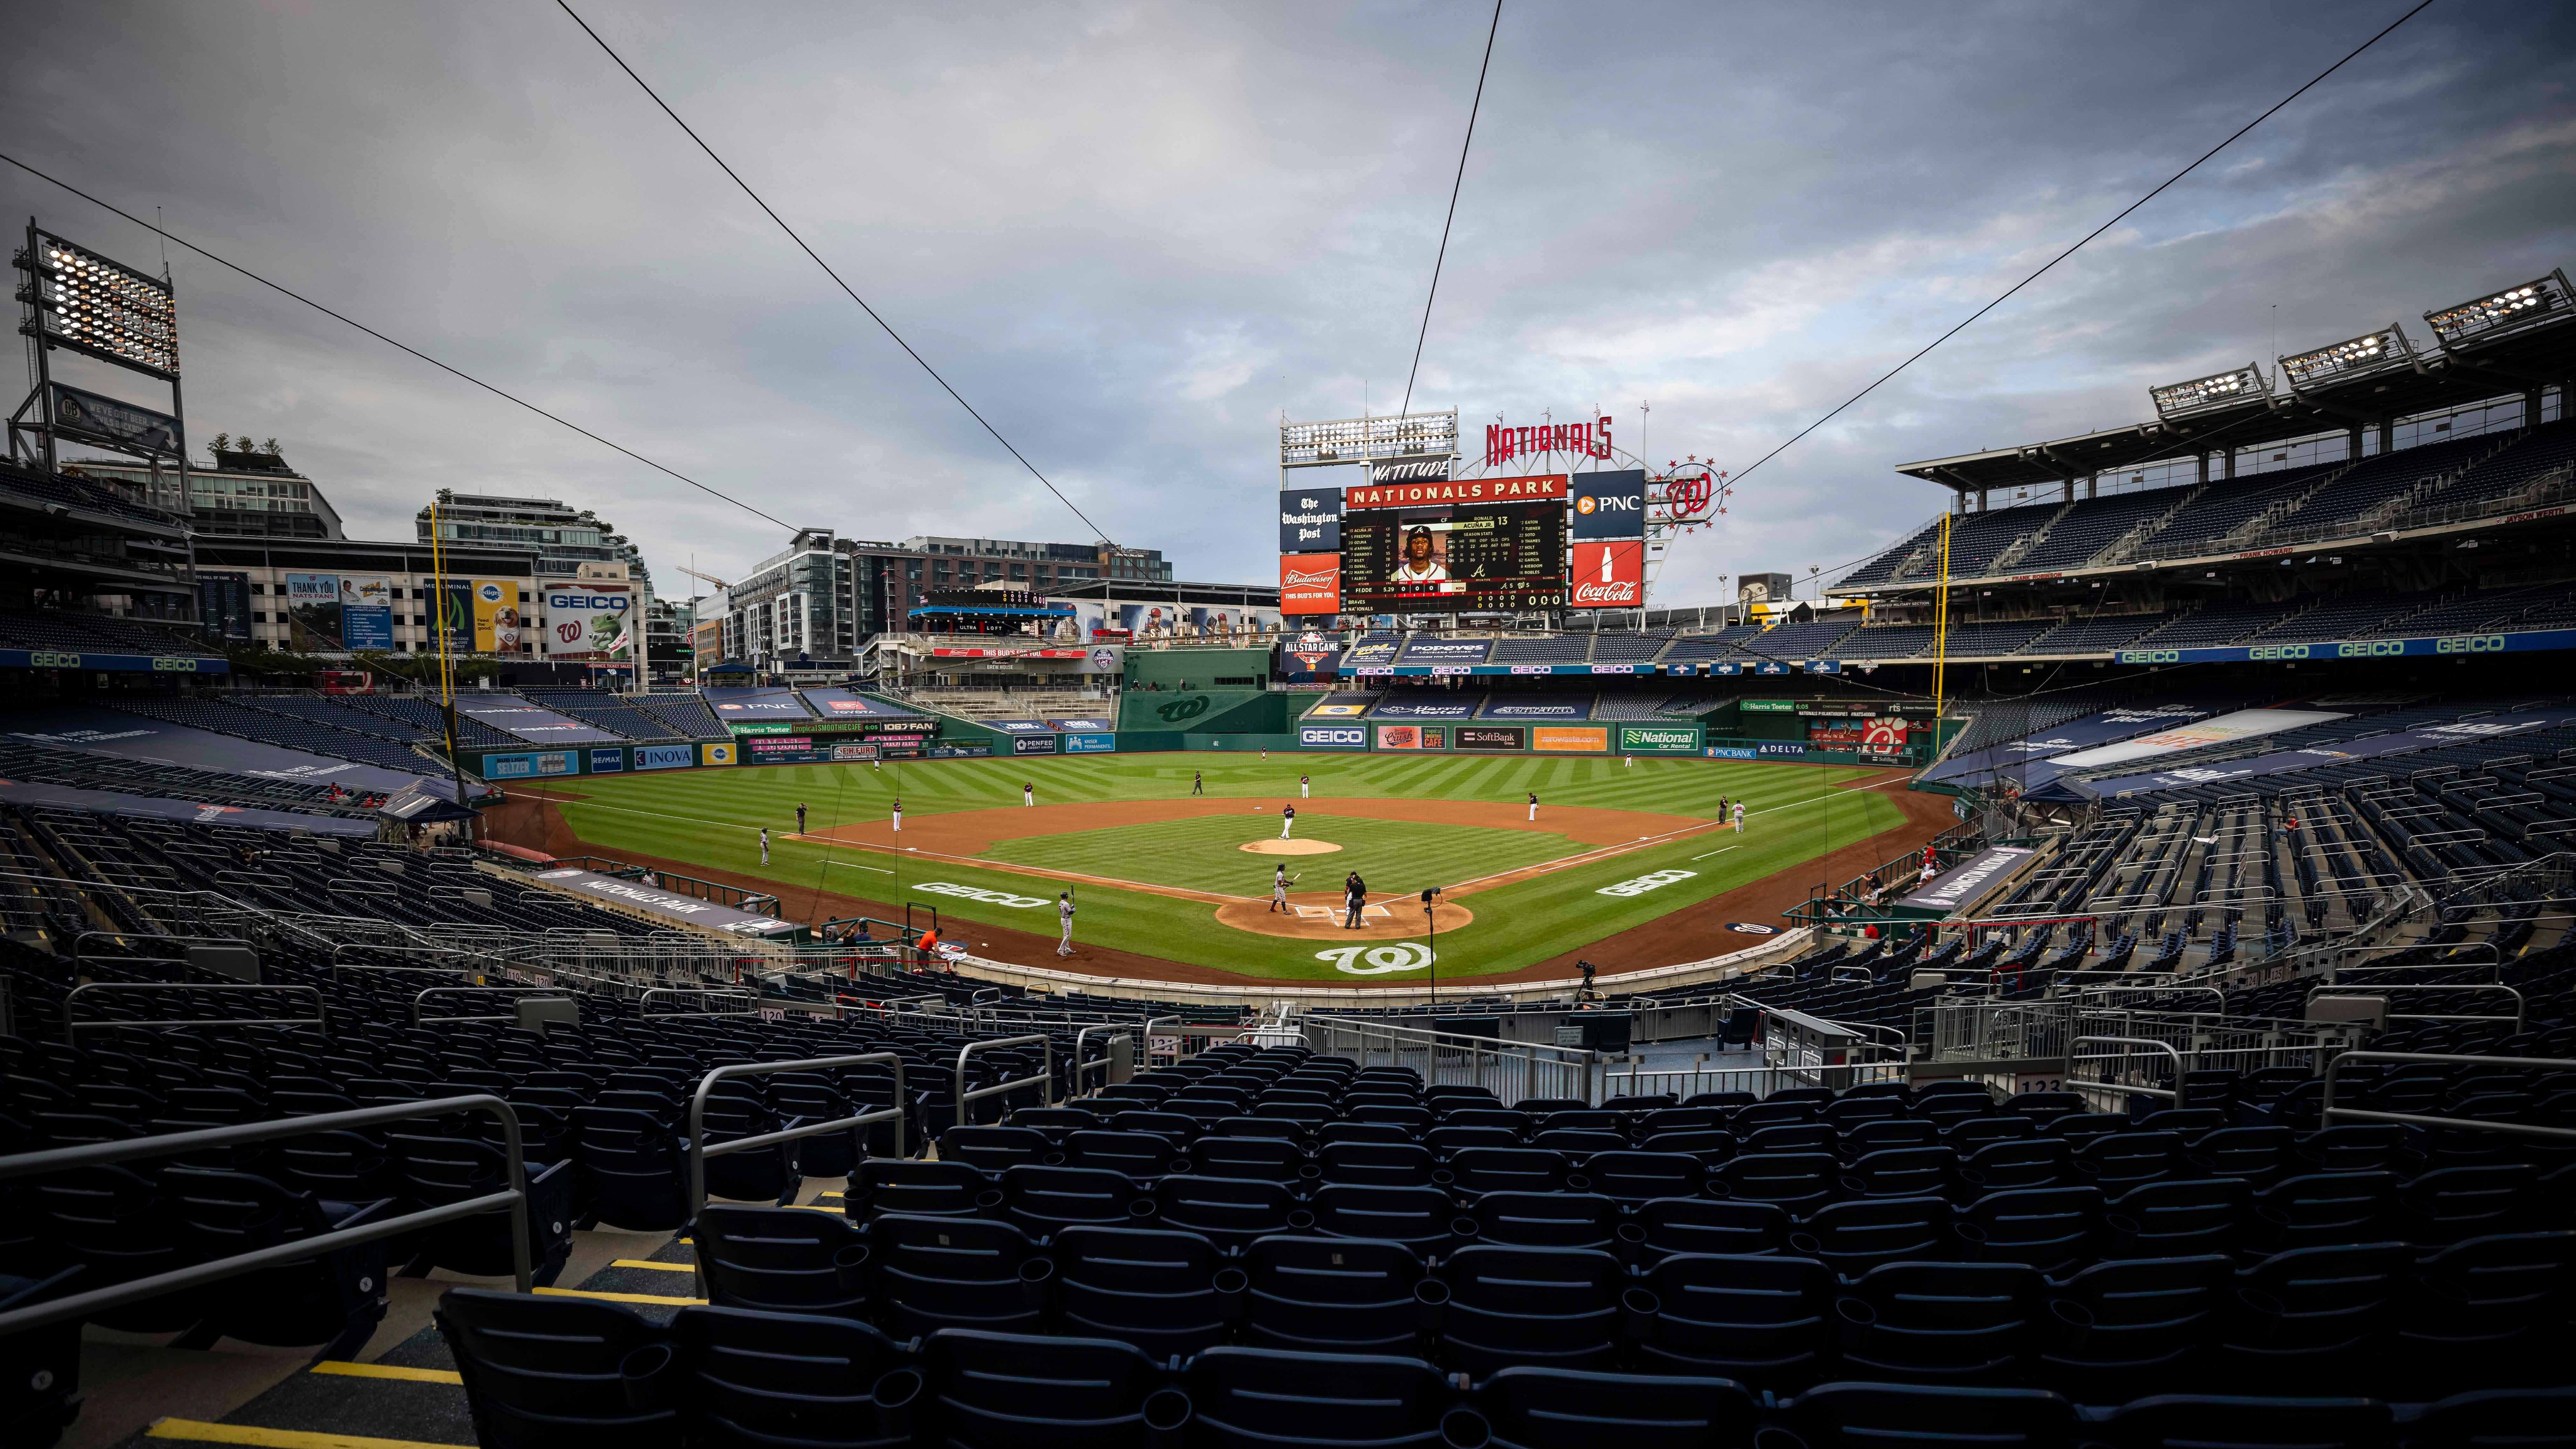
(1181, 709)
(1402, 956)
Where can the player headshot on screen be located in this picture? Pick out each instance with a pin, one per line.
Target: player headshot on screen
(1419, 567)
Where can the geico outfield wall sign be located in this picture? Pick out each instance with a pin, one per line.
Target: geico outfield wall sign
(2432, 646)
(1332, 737)
(976, 893)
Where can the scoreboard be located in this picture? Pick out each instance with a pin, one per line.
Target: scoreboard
(1453, 551)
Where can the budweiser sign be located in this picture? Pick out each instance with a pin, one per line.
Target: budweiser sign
(1310, 583)
(1584, 440)
(1608, 574)
(1463, 490)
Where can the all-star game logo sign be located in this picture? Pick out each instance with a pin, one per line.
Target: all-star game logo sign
(1312, 650)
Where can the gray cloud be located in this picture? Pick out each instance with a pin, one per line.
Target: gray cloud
(1135, 234)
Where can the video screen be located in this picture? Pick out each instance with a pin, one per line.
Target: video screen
(1458, 557)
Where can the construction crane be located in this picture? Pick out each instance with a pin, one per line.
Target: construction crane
(709, 578)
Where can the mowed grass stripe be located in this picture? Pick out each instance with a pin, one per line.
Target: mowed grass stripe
(1205, 853)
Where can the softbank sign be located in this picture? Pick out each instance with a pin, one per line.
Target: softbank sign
(1310, 583)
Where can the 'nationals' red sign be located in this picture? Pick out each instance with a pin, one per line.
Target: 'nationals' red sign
(1456, 490)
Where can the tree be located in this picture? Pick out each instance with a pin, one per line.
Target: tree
(223, 442)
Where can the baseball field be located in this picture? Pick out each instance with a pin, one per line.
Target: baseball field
(1171, 858)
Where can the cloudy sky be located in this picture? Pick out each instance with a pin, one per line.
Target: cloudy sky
(1136, 235)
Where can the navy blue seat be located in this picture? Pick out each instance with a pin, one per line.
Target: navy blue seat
(2014, 1164)
(1796, 1182)
(1137, 1154)
(1045, 1200)
(335, 1300)
(936, 1189)
(2320, 1208)
(2448, 1204)
(2122, 1328)
(1940, 1322)
(2177, 1218)
(1421, 1218)
(633, 1166)
(2194, 1421)
(2048, 1228)
(2542, 1418)
(782, 1260)
(1451, 1137)
(949, 1272)
(1554, 1408)
(2118, 1161)
(1168, 1293)
(1511, 1305)
(1508, 1169)
(992, 1149)
(1376, 1164)
(1266, 1159)
(2483, 1311)
(1227, 1211)
(559, 1373)
(1885, 1416)
(1901, 1171)
(1853, 1237)
(1632, 1177)
(1256, 1398)
(1705, 1225)
(1010, 1391)
(748, 1380)
(1547, 1220)
(1332, 1295)
(1764, 1321)
(2259, 1155)
(2313, 1320)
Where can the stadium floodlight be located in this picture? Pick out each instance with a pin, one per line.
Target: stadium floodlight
(100, 307)
(1363, 440)
(2218, 390)
(2510, 310)
(2372, 352)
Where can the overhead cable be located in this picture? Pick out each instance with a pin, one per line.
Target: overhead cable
(1454, 187)
(873, 315)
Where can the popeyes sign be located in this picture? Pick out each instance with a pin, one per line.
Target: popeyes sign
(1589, 440)
(1310, 583)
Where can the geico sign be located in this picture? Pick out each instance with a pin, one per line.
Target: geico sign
(1312, 735)
(2150, 656)
(586, 601)
(2470, 644)
(1645, 883)
(2373, 649)
(971, 893)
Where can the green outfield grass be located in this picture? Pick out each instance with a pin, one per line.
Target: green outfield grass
(710, 817)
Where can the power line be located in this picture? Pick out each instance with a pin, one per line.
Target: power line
(343, 317)
(2088, 236)
(827, 271)
(1454, 187)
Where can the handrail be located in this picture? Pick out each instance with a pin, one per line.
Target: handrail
(1080, 1066)
(519, 993)
(1044, 1081)
(699, 1151)
(731, 993)
(2083, 992)
(150, 936)
(2350, 993)
(173, 1144)
(319, 1020)
(2133, 1041)
(2327, 1111)
(1145, 1039)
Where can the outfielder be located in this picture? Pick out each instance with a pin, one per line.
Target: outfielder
(1301, 787)
(1029, 794)
(1739, 817)
(898, 817)
(764, 845)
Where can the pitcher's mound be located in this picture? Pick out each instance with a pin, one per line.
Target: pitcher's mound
(1289, 847)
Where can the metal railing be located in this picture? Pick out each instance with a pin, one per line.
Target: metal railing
(2128, 1064)
(700, 1150)
(319, 1020)
(176, 1144)
(1080, 1067)
(2327, 1111)
(2380, 994)
(1513, 1071)
(1044, 1081)
(515, 994)
(749, 998)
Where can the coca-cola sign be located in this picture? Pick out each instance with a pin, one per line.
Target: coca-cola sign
(1310, 583)
(1609, 574)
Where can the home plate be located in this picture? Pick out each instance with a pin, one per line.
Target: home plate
(1289, 847)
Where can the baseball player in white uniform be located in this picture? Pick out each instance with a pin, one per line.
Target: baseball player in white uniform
(1287, 820)
(1064, 914)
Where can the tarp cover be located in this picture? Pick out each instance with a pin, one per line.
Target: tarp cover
(2010, 757)
(841, 704)
(110, 802)
(531, 722)
(1426, 706)
(1539, 706)
(666, 904)
(158, 742)
(1963, 883)
(2243, 724)
(2401, 742)
(734, 705)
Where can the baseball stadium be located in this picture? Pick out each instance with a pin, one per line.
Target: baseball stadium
(2093, 971)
